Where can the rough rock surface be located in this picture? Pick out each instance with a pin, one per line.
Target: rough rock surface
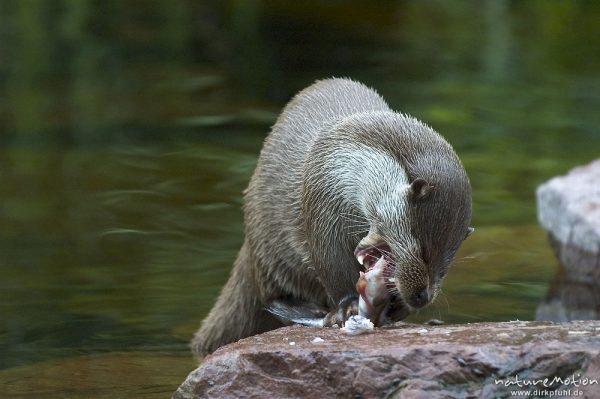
(406, 361)
(569, 209)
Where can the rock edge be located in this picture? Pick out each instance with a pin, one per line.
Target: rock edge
(408, 361)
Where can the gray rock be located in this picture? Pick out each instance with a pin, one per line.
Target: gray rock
(406, 361)
(569, 207)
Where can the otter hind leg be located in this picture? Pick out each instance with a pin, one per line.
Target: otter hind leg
(238, 312)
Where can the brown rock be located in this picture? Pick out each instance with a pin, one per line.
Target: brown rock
(406, 361)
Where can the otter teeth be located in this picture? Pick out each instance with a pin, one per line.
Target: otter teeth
(361, 259)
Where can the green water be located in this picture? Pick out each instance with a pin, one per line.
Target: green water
(128, 131)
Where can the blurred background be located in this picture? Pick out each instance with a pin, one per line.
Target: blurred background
(128, 130)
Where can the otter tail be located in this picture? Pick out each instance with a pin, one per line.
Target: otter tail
(238, 312)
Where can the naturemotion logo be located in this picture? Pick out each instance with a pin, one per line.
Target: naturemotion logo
(556, 381)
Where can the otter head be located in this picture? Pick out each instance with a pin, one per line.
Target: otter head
(396, 179)
(417, 227)
(417, 208)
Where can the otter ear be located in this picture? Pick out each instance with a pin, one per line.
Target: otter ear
(420, 189)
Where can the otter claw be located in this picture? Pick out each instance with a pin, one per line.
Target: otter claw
(396, 310)
(346, 308)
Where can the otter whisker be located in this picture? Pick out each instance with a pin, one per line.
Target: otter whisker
(356, 230)
(357, 233)
(467, 259)
(353, 215)
(357, 226)
(384, 252)
(354, 218)
(443, 295)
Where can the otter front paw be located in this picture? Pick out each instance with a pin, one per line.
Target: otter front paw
(396, 310)
(346, 308)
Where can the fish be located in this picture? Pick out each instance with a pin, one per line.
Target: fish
(373, 302)
(373, 292)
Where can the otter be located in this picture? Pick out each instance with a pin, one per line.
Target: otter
(341, 181)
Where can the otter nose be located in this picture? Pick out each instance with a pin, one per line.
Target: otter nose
(420, 298)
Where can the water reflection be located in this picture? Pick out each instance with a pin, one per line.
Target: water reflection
(570, 300)
(103, 376)
(574, 294)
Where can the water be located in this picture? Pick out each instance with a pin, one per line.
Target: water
(128, 132)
